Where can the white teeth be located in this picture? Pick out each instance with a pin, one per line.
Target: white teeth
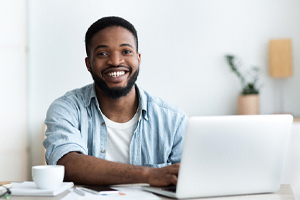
(116, 74)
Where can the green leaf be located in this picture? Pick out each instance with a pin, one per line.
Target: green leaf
(248, 87)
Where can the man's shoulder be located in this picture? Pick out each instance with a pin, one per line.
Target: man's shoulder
(157, 103)
(79, 95)
(79, 91)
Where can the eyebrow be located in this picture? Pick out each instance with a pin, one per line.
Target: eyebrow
(100, 46)
(105, 46)
(122, 45)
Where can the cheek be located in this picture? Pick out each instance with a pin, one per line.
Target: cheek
(97, 65)
(134, 63)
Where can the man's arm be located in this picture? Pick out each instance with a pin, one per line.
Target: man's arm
(84, 169)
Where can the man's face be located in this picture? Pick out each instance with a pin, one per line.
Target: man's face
(113, 61)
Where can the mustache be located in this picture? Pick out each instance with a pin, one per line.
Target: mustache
(118, 66)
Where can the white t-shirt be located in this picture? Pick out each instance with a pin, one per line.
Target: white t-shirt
(119, 136)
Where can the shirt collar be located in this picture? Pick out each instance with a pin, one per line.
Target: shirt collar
(142, 102)
(90, 94)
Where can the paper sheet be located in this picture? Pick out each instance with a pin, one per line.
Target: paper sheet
(28, 188)
(125, 193)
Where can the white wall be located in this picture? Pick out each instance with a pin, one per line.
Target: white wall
(13, 133)
(183, 44)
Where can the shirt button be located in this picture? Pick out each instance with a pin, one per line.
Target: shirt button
(103, 124)
(103, 151)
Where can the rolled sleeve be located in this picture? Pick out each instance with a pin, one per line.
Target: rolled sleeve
(63, 131)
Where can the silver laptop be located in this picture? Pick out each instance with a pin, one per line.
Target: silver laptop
(231, 155)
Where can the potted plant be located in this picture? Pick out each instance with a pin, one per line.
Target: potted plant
(248, 101)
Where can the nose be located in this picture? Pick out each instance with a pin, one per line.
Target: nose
(115, 59)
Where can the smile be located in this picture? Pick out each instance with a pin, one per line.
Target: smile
(116, 74)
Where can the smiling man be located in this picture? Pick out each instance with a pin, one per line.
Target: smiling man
(112, 131)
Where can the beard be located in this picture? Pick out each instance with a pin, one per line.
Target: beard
(116, 92)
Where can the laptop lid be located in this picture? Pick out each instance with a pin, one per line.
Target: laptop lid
(233, 155)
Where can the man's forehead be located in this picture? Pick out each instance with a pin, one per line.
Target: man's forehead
(114, 33)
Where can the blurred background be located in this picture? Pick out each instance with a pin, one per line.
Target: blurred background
(183, 46)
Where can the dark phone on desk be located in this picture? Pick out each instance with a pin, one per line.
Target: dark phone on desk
(99, 189)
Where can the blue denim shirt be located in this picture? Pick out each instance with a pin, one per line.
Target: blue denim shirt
(75, 123)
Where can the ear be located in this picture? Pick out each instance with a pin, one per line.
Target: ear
(139, 58)
(88, 64)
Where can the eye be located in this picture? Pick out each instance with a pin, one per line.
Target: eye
(127, 52)
(102, 54)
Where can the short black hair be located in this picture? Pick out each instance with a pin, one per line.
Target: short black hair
(108, 22)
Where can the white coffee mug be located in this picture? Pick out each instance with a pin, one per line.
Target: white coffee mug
(48, 176)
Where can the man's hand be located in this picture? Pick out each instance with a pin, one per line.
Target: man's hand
(164, 176)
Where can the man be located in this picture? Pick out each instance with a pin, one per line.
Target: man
(113, 132)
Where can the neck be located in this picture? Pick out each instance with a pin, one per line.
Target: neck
(118, 110)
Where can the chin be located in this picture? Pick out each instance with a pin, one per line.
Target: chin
(116, 91)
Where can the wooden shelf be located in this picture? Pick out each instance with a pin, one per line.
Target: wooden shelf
(296, 119)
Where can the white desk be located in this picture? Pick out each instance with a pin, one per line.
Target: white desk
(285, 193)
